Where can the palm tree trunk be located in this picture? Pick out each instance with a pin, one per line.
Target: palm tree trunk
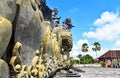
(96, 57)
(96, 54)
(84, 57)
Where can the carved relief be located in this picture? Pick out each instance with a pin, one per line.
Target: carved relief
(52, 50)
(35, 4)
(16, 61)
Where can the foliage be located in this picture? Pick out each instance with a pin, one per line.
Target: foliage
(96, 47)
(102, 63)
(76, 61)
(87, 59)
(84, 47)
(118, 59)
(114, 61)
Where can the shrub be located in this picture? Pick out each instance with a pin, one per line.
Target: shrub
(87, 59)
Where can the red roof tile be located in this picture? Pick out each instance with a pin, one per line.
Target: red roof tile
(111, 54)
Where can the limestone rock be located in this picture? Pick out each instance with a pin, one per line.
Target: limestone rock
(5, 34)
(8, 9)
(4, 70)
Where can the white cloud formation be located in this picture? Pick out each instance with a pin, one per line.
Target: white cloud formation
(106, 17)
(108, 27)
(116, 46)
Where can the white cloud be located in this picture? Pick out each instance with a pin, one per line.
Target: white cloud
(116, 46)
(106, 17)
(77, 48)
(108, 27)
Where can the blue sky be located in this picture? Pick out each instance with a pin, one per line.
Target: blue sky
(94, 20)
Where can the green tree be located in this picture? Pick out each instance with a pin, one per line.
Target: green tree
(87, 59)
(96, 47)
(84, 48)
(76, 61)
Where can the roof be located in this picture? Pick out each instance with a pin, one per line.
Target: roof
(111, 54)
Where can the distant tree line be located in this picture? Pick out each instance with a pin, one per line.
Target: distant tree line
(87, 59)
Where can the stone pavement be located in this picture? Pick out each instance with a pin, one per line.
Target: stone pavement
(90, 71)
(100, 72)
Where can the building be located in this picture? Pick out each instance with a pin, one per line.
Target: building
(110, 55)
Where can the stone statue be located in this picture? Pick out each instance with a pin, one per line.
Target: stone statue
(54, 17)
(67, 24)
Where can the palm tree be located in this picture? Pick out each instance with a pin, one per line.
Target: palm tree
(96, 47)
(84, 49)
(79, 56)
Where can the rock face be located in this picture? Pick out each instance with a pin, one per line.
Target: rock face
(28, 30)
(4, 70)
(8, 9)
(29, 42)
(5, 34)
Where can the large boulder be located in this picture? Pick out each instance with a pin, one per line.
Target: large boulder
(5, 34)
(4, 69)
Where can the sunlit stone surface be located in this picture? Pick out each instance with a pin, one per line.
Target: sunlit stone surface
(100, 73)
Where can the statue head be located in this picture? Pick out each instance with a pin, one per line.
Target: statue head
(55, 10)
(67, 24)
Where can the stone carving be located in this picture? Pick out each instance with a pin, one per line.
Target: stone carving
(5, 34)
(18, 2)
(67, 24)
(35, 4)
(23, 72)
(54, 17)
(36, 49)
(8, 9)
(16, 61)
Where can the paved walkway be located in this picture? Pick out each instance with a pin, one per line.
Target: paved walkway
(100, 73)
